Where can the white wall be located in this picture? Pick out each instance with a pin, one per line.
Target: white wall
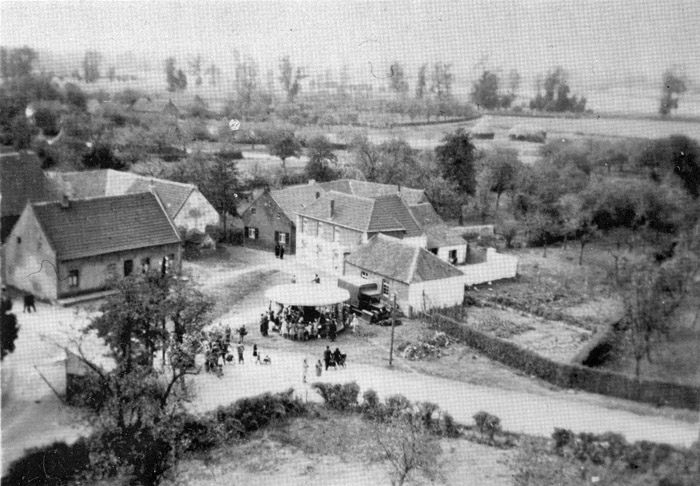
(197, 213)
(496, 267)
(444, 253)
(423, 296)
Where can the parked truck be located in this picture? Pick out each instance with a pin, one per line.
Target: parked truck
(365, 300)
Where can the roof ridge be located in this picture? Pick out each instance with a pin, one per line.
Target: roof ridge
(352, 195)
(414, 263)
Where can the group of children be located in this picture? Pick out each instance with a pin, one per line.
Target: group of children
(217, 344)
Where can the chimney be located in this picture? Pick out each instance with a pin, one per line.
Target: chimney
(65, 201)
(151, 186)
(332, 208)
(398, 188)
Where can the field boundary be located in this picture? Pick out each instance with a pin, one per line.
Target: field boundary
(566, 375)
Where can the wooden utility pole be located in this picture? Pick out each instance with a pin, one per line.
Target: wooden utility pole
(393, 323)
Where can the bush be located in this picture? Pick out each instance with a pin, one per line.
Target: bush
(449, 427)
(338, 397)
(371, 407)
(487, 424)
(200, 434)
(53, 465)
(398, 405)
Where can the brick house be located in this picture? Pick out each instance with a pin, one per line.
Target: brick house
(186, 206)
(336, 224)
(418, 278)
(272, 217)
(64, 249)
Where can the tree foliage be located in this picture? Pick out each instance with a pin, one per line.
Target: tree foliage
(284, 144)
(290, 78)
(321, 157)
(502, 169)
(485, 91)
(17, 62)
(91, 66)
(441, 80)
(421, 82)
(456, 158)
(176, 78)
(556, 95)
(672, 87)
(397, 79)
(9, 330)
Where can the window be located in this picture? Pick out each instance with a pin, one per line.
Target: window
(453, 256)
(385, 288)
(38, 244)
(253, 210)
(282, 238)
(252, 233)
(73, 278)
(336, 234)
(303, 225)
(19, 240)
(128, 267)
(145, 265)
(364, 274)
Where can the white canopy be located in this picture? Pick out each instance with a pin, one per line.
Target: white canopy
(309, 295)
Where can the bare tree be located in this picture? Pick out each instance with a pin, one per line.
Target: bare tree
(290, 78)
(91, 66)
(441, 80)
(421, 82)
(397, 79)
(195, 65)
(408, 447)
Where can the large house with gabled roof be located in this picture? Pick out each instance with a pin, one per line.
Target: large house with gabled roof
(60, 250)
(184, 203)
(336, 224)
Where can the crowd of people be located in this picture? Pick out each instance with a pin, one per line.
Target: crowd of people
(301, 324)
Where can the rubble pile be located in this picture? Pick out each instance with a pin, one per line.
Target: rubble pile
(428, 348)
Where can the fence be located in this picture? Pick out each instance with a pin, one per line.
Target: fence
(496, 267)
(570, 375)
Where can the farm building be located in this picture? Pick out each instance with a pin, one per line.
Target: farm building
(442, 240)
(155, 106)
(336, 224)
(60, 250)
(186, 206)
(271, 218)
(420, 280)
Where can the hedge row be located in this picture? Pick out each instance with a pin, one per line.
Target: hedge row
(568, 375)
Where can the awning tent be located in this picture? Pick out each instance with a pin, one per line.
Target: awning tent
(307, 295)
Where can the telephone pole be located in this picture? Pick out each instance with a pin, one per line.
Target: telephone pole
(393, 323)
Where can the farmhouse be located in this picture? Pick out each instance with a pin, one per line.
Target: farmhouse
(271, 218)
(185, 205)
(337, 224)
(420, 280)
(64, 249)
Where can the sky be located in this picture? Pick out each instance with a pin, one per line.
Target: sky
(597, 41)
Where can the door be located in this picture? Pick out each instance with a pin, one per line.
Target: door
(128, 267)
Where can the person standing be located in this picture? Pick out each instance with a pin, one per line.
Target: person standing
(277, 250)
(332, 329)
(316, 279)
(255, 353)
(327, 357)
(306, 369)
(319, 368)
(353, 323)
(281, 252)
(240, 348)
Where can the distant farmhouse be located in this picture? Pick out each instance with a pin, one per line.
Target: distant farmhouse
(156, 106)
(60, 250)
(186, 206)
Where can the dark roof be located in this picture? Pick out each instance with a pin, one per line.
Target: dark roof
(105, 183)
(391, 258)
(22, 180)
(374, 189)
(396, 209)
(105, 225)
(438, 233)
(353, 212)
(293, 199)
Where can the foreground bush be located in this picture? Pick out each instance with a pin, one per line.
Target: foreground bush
(338, 397)
(53, 465)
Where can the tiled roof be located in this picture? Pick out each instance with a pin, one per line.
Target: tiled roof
(103, 183)
(438, 233)
(294, 199)
(22, 180)
(389, 257)
(354, 212)
(104, 225)
(374, 189)
(392, 208)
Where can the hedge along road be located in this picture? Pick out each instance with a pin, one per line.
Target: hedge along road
(518, 411)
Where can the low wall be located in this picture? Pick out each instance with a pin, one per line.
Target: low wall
(496, 267)
(569, 375)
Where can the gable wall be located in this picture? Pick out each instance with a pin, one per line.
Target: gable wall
(196, 214)
(30, 265)
(268, 218)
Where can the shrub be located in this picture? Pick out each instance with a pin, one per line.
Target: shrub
(562, 438)
(371, 407)
(425, 413)
(448, 426)
(250, 414)
(338, 397)
(398, 405)
(200, 433)
(52, 465)
(487, 424)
